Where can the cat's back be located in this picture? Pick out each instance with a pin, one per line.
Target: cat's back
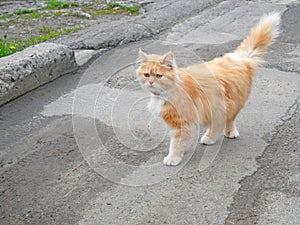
(197, 70)
(202, 74)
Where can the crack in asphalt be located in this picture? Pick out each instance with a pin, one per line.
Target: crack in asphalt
(291, 111)
(236, 205)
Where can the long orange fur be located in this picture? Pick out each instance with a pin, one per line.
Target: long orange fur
(210, 94)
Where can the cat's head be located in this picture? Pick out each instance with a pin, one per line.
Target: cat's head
(157, 73)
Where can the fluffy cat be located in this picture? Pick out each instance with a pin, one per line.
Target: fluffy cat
(210, 94)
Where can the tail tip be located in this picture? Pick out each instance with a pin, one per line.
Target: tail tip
(274, 19)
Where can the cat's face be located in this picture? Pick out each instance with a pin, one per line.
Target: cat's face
(156, 73)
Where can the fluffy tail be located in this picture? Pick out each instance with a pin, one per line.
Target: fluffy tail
(261, 36)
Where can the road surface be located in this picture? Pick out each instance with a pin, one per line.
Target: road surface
(84, 150)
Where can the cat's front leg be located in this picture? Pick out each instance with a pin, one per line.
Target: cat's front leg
(175, 156)
(178, 145)
(155, 105)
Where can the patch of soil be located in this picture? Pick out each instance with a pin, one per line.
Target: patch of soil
(17, 24)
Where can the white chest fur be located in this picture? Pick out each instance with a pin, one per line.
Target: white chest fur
(155, 105)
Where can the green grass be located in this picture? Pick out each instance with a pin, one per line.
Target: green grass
(114, 8)
(5, 16)
(46, 30)
(74, 4)
(45, 15)
(130, 9)
(8, 47)
(58, 13)
(133, 10)
(34, 15)
(9, 22)
(54, 4)
(23, 11)
(113, 5)
(111, 8)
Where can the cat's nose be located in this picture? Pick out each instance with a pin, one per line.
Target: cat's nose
(151, 82)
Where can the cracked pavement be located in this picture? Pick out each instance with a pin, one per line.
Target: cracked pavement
(46, 177)
(271, 194)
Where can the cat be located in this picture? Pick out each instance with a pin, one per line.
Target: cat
(208, 95)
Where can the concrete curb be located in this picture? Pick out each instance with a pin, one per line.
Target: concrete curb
(39, 64)
(33, 67)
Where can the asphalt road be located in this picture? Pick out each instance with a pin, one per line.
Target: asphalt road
(84, 150)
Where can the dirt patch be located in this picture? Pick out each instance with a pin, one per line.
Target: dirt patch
(23, 20)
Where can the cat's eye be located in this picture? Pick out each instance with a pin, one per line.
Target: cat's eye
(159, 76)
(146, 75)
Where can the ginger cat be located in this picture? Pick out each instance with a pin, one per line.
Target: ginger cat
(208, 95)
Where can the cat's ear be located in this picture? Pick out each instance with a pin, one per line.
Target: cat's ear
(168, 59)
(142, 56)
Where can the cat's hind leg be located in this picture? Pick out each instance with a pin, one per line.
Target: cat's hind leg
(212, 134)
(230, 130)
(216, 124)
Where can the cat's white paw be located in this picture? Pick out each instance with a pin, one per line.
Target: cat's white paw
(172, 160)
(206, 140)
(233, 134)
